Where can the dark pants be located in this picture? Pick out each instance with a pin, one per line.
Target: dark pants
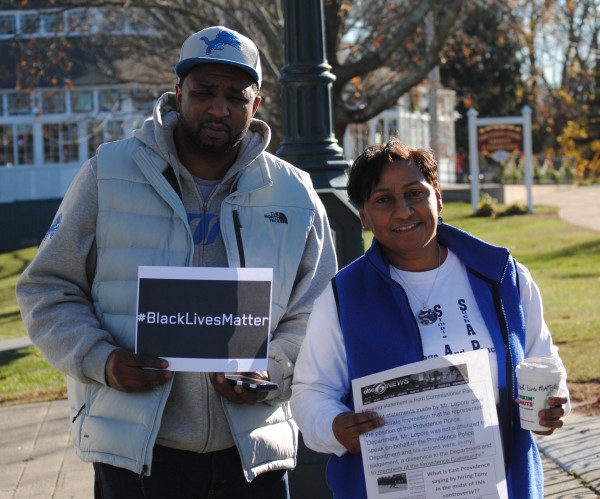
(181, 474)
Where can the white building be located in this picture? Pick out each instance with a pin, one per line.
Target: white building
(410, 121)
(46, 134)
(48, 130)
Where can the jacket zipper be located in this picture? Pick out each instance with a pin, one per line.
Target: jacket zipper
(238, 237)
(78, 413)
(510, 395)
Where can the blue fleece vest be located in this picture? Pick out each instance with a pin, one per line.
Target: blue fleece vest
(380, 332)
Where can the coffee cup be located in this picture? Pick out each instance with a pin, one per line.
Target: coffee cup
(538, 379)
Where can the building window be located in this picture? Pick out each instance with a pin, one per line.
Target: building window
(70, 22)
(69, 143)
(95, 136)
(6, 153)
(143, 101)
(111, 22)
(82, 102)
(99, 132)
(76, 21)
(108, 100)
(114, 130)
(52, 23)
(7, 24)
(23, 143)
(380, 132)
(392, 129)
(29, 23)
(18, 103)
(53, 102)
(60, 143)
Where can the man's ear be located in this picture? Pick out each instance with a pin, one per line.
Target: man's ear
(178, 91)
(256, 104)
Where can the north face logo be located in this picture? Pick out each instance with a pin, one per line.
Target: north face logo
(277, 217)
(222, 39)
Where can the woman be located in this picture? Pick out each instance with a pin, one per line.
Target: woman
(424, 289)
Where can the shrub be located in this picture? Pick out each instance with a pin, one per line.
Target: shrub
(486, 206)
(513, 209)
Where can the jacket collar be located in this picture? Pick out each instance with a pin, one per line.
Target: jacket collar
(482, 258)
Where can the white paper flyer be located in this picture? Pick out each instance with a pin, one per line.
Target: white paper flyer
(441, 437)
(205, 318)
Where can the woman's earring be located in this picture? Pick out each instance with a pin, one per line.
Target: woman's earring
(440, 220)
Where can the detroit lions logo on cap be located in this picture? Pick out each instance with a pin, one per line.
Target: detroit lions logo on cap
(223, 38)
(220, 45)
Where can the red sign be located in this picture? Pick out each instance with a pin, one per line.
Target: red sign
(494, 138)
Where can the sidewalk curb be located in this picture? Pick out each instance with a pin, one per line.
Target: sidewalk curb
(575, 448)
(15, 343)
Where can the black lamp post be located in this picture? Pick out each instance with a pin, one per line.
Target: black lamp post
(309, 143)
(308, 138)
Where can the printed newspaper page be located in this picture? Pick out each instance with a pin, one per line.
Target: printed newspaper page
(441, 437)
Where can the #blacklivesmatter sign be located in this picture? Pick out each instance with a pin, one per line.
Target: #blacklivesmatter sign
(205, 319)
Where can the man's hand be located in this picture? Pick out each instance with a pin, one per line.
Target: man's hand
(238, 394)
(128, 372)
(348, 426)
(553, 417)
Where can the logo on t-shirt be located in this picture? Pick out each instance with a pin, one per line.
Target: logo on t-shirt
(205, 227)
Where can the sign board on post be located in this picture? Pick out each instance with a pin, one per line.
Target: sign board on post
(474, 122)
(205, 319)
(494, 138)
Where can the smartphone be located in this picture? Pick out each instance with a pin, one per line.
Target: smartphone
(249, 383)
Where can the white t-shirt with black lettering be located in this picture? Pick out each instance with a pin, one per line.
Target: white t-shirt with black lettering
(321, 376)
(459, 326)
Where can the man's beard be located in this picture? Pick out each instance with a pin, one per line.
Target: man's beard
(193, 139)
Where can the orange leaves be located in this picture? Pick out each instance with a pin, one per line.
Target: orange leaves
(358, 86)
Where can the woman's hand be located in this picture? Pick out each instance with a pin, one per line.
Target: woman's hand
(348, 426)
(553, 416)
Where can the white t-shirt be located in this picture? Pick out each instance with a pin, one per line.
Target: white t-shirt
(459, 326)
(321, 374)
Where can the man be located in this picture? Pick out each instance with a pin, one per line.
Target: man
(193, 187)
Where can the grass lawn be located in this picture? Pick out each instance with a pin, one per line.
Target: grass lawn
(25, 376)
(11, 266)
(564, 260)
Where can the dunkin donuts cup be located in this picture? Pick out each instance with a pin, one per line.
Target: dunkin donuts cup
(538, 379)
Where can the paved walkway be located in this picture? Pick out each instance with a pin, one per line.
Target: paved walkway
(577, 205)
(37, 460)
(36, 456)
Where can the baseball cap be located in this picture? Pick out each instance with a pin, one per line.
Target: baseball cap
(220, 45)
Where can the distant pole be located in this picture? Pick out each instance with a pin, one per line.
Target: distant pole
(433, 79)
(473, 159)
(528, 150)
